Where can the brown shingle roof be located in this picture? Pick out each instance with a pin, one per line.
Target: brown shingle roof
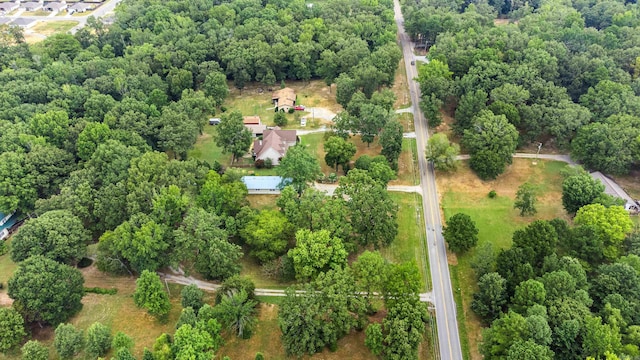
(251, 120)
(275, 139)
(286, 96)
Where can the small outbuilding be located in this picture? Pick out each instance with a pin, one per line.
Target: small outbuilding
(613, 189)
(214, 121)
(254, 123)
(263, 184)
(284, 99)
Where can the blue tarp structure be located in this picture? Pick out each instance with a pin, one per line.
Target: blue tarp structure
(7, 221)
(262, 183)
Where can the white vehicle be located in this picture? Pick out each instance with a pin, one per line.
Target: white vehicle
(303, 122)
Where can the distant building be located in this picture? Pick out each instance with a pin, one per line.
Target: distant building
(55, 6)
(32, 5)
(263, 184)
(613, 189)
(274, 145)
(7, 7)
(24, 22)
(284, 99)
(80, 7)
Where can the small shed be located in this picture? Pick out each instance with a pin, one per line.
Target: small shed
(263, 184)
(214, 121)
(613, 189)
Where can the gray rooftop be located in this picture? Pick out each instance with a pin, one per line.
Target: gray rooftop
(23, 21)
(261, 182)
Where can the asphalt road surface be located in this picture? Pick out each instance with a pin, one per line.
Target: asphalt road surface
(445, 307)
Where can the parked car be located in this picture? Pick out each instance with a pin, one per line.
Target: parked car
(413, 62)
(299, 107)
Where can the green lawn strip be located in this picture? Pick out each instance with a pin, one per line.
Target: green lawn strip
(408, 164)
(406, 120)
(7, 268)
(206, 149)
(408, 244)
(462, 323)
(276, 300)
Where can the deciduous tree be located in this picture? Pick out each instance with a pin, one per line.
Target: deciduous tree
(338, 152)
(526, 199)
(11, 327)
(68, 341)
(268, 234)
(151, 296)
(579, 190)
(98, 340)
(491, 142)
(34, 350)
(489, 301)
(232, 136)
(460, 233)
(442, 152)
(299, 167)
(57, 235)
(315, 252)
(45, 291)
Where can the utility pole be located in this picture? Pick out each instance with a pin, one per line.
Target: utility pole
(537, 153)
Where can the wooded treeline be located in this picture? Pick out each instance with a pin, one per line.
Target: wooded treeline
(560, 72)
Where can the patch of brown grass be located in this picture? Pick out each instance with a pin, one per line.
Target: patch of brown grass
(262, 202)
(630, 183)
(401, 87)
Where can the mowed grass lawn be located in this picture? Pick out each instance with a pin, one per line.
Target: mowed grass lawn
(54, 27)
(496, 219)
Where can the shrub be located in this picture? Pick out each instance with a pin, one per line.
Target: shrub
(492, 194)
(259, 164)
(101, 291)
(291, 110)
(268, 163)
(192, 297)
(223, 108)
(280, 119)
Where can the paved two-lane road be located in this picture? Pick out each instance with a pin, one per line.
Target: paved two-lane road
(448, 338)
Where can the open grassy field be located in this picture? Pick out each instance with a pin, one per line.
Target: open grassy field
(255, 99)
(117, 311)
(207, 150)
(314, 143)
(496, 219)
(54, 27)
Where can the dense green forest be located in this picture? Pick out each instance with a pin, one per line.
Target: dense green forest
(560, 72)
(563, 73)
(94, 133)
